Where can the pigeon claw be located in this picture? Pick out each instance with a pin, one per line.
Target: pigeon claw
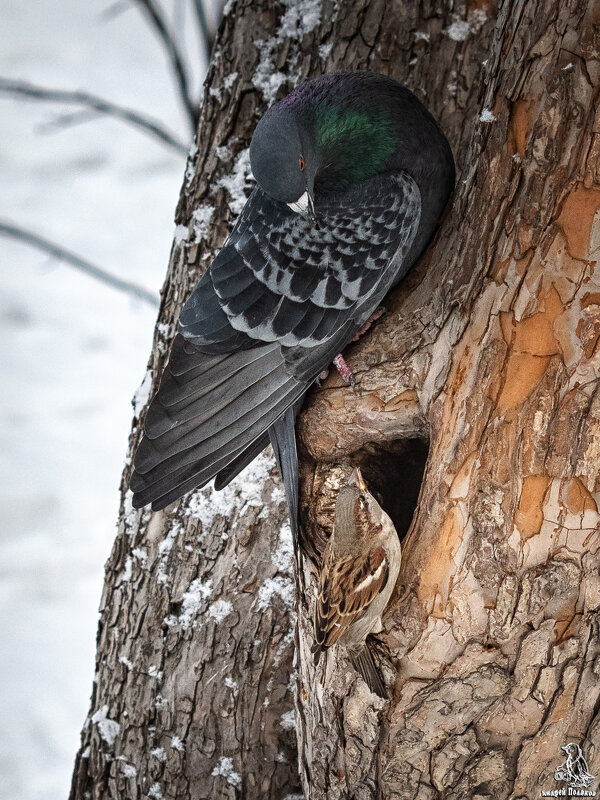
(344, 370)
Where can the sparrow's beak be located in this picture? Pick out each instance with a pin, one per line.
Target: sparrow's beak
(356, 479)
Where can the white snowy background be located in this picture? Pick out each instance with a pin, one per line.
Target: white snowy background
(72, 353)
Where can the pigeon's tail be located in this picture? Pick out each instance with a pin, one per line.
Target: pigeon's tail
(283, 440)
(363, 662)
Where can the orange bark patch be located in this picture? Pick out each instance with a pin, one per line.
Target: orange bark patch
(521, 122)
(532, 342)
(523, 374)
(576, 497)
(534, 334)
(437, 573)
(530, 514)
(590, 299)
(577, 217)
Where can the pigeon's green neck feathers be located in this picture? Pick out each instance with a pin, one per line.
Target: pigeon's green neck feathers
(354, 143)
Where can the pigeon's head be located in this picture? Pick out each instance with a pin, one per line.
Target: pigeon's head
(339, 131)
(327, 135)
(283, 159)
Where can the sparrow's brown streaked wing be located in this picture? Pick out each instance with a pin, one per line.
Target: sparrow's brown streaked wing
(347, 588)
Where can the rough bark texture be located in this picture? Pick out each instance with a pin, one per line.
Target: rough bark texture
(485, 370)
(490, 352)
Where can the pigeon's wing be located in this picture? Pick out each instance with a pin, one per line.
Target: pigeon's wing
(346, 590)
(208, 411)
(279, 290)
(282, 279)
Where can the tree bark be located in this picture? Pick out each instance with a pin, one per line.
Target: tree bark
(489, 351)
(477, 408)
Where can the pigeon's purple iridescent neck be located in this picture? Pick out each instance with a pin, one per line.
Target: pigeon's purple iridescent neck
(353, 140)
(355, 144)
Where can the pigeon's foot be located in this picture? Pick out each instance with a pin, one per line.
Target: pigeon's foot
(344, 370)
(340, 362)
(366, 325)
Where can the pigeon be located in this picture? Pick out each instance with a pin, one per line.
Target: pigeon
(360, 569)
(352, 174)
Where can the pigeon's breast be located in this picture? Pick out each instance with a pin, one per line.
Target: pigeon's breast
(338, 261)
(289, 280)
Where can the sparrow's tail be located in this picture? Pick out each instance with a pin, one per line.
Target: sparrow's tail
(363, 662)
(316, 651)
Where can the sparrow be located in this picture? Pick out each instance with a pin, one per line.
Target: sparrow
(360, 569)
(352, 174)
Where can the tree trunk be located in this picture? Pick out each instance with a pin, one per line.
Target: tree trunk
(477, 408)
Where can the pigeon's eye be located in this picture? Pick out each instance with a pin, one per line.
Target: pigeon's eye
(301, 163)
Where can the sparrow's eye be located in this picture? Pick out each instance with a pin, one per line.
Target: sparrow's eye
(301, 163)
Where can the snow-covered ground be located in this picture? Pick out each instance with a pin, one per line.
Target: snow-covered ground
(72, 353)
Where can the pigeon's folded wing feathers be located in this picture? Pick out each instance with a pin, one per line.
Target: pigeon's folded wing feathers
(280, 300)
(225, 476)
(296, 283)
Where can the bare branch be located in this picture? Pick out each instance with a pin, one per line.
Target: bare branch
(160, 25)
(114, 10)
(207, 36)
(66, 120)
(148, 124)
(45, 245)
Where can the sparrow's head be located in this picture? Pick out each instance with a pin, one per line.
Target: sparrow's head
(357, 512)
(571, 749)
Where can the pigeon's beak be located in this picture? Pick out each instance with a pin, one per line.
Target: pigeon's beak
(305, 204)
(310, 192)
(311, 208)
(300, 206)
(356, 479)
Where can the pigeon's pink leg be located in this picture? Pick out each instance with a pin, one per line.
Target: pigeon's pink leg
(344, 370)
(340, 362)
